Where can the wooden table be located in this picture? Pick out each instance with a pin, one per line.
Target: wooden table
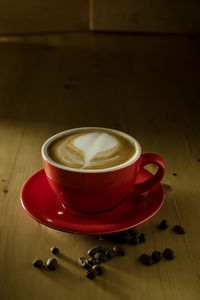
(147, 86)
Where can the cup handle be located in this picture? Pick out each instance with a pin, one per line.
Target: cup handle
(150, 158)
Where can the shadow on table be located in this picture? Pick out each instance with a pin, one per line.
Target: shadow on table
(67, 259)
(62, 276)
(112, 287)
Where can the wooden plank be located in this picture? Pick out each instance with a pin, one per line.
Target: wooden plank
(145, 16)
(146, 86)
(43, 17)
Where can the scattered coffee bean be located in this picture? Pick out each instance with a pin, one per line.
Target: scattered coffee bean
(174, 174)
(93, 251)
(119, 250)
(156, 256)
(146, 259)
(109, 253)
(168, 254)
(5, 191)
(133, 241)
(100, 256)
(52, 264)
(83, 262)
(91, 274)
(125, 235)
(104, 249)
(142, 238)
(163, 225)
(99, 269)
(133, 231)
(92, 261)
(37, 263)
(54, 250)
(179, 229)
(199, 159)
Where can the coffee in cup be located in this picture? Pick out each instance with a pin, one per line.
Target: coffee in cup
(92, 149)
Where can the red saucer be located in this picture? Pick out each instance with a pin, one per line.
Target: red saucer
(40, 202)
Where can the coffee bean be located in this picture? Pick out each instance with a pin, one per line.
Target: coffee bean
(133, 231)
(54, 250)
(119, 250)
(174, 174)
(100, 256)
(92, 251)
(163, 225)
(92, 261)
(142, 238)
(52, 264)
(125, 235)
(104, 249)
(146, 259)
(37, 263)
(5, 191)
(99, 269)
(156, 256)
(133, 241)
(168, 254)
(83, 262)
(91, 274)
(110, 253)
(179, 229)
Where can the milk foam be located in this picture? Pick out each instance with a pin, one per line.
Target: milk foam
(93, 143)
(92, 149)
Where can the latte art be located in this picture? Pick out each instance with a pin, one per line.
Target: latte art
(94, 144)
(91, 149)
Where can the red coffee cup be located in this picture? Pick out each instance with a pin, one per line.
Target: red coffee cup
(102, 189)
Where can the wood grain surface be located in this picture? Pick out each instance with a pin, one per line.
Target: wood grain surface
(145, 16)
(44, 16)
(147, 86)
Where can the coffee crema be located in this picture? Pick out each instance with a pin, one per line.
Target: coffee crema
(92, 149)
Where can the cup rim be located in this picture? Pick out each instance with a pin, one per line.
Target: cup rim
(60, 134)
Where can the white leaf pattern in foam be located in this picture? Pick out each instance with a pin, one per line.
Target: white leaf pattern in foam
(93, 143)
